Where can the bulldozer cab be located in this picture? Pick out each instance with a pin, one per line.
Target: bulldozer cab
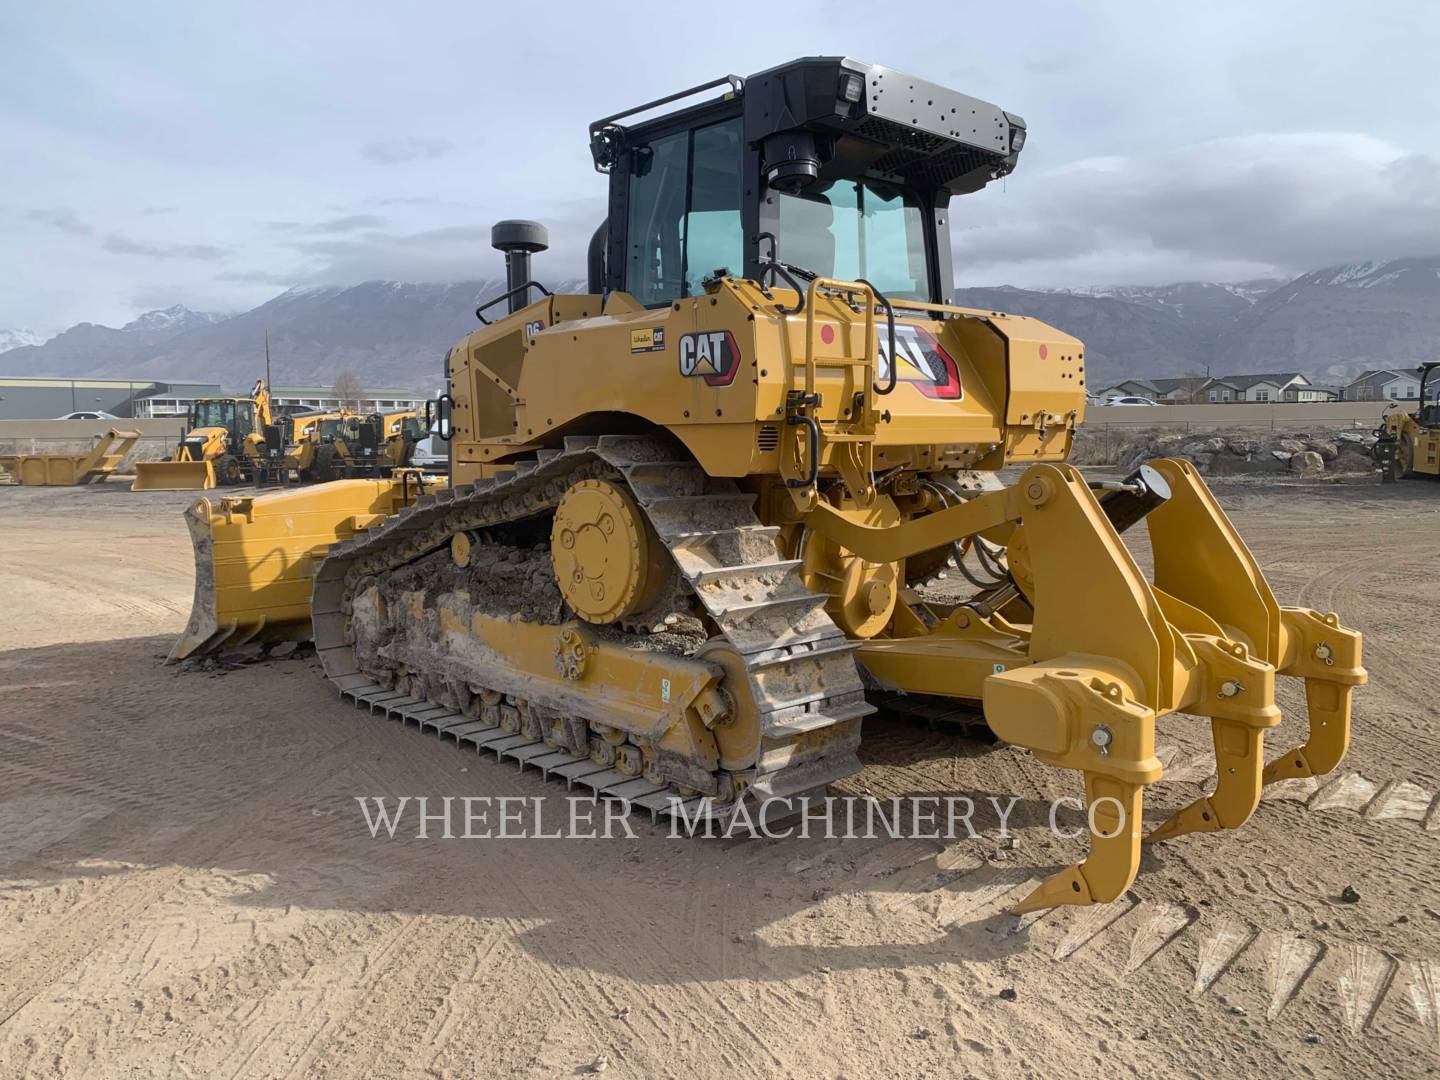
(826, 166)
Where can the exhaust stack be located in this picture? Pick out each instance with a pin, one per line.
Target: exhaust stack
(518, 240)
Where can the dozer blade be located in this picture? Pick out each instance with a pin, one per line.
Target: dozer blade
(255, 558)
(173, 476)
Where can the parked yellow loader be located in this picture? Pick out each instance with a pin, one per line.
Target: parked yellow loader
(353, 447)
(309, 434)
(229, 441)
(689, 508)
(63, 470)
(1408, 443)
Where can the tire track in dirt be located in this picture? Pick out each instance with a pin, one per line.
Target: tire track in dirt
(38, 965)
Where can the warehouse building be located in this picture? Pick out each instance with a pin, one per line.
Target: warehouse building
(46, 399)
(288, 399)
(147, 399)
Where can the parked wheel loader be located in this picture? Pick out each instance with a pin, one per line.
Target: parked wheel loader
(228, 441)
(309, 432)
(691, 512)
(1408, 443)
(351, 446)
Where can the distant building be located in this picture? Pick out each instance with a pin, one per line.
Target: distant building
(290, 399)
(1194, 389)
(1384, 385)
(173, 399)
(45, 399)
(1145, 388)
(1220, 391)
(1186, 390)
(148, 399)
(1274, 386)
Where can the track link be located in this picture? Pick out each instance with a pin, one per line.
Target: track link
(800, 668)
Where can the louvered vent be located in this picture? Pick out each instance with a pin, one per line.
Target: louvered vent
(769, 437)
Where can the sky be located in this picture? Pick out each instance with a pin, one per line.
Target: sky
(216, 154)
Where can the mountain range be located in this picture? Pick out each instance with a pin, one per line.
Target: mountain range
(1329, 323)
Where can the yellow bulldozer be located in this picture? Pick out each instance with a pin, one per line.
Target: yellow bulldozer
(228, 441)
(1408, 443)
(691, 513)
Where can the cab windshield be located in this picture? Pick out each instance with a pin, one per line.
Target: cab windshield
(852, 229)
(213, 414)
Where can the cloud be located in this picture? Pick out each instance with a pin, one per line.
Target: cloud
(198, 296)
(150, 211)
(1225, 209)
(118, 244)
(349, 223)
(451, 253)
(405, 149)
(62, 219)
(258, 277)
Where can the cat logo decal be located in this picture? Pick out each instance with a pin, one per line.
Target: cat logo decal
(710, 355)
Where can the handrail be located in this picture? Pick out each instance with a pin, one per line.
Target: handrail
(872, 342)
(507, 295)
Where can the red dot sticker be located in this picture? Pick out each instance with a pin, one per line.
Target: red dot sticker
(1044, 352)
(827, 334)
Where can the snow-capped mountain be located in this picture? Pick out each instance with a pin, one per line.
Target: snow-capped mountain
(173, 319)
(91, 349)
(14, 339)
(1328, 323)
(1342, 320)
(1188, 299)
(388, 333)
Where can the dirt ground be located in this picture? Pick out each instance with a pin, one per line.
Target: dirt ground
(188, 888)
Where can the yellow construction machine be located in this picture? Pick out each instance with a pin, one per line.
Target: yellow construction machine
(691, 513)
(1408, 443)
(229, 441)
(64, 470)
(309, 433)
(349, 446)
(303, 425)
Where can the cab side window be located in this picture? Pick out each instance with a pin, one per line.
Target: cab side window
(655, 232)
(684, 212)
(712, 224)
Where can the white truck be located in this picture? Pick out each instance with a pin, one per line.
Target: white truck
(432, 453)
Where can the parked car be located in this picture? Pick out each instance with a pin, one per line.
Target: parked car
(1129, 401)
(93, 414)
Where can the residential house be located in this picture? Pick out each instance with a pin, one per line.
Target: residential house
(1221, 392)
(1186, 390)
(1272, 386)
(1384, 385)
(1145, 388)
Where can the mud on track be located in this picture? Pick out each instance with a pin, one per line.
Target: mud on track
(187, 886)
